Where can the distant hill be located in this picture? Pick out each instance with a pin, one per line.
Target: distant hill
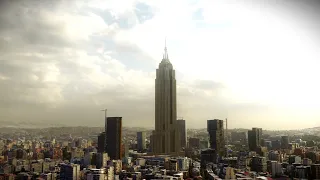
(27, 124)
(44, 124)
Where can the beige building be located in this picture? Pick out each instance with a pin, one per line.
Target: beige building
(165, 138)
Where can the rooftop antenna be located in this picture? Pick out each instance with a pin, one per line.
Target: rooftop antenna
(165, 55)
(105, 112)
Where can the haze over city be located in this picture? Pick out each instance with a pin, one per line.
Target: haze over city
(253, 63)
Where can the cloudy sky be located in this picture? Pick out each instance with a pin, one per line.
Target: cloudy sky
(255, 62)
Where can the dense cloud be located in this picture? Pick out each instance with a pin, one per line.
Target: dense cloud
(52, 69)
(61, 62)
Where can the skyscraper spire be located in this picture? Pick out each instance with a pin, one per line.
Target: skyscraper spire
(165, 55)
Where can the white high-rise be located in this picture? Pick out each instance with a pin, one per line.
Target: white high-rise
(165, 138)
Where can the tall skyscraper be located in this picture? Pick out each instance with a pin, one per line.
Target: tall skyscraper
(101, 142)
(165, 137)
(114, 136)
(216, 135)
(254, 138)
(141, 141)
(183, 134)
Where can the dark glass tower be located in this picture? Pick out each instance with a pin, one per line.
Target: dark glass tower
(114, 136)
(102, 142)
(216, 136)
(254, 138)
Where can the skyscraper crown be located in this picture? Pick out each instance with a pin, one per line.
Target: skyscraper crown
(165, 54)
(165, 60)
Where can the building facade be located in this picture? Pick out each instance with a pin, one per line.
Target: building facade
(216, 136)
(254, 138)
(141, 141)
(101, 142)
(183, 134)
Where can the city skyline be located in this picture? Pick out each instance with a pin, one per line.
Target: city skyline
(255, 64)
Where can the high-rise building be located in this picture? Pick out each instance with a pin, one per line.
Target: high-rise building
(183, 134)
(208, 156)
(101, 142)
(141, 141)
(254, 138)
(284, 142)
(216, 135)
(114, 135)
(165, 137)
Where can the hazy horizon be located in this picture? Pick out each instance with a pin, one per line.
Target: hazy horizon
(255, 63)
(26, 125)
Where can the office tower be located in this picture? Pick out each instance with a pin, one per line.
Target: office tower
(216, 135)
(114, 135)
(141, 141)
(208, 156)
(165, 137)
(182, 130)
(284, 142)
(254, 138)
(101, 142)
(102, 159)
